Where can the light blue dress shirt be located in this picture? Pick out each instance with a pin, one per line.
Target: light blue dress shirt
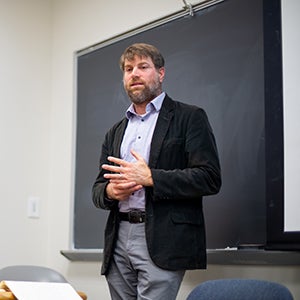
(138, 136)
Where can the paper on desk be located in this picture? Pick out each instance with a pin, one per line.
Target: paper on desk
(27, 290)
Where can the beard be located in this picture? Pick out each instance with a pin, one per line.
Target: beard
(147, 94)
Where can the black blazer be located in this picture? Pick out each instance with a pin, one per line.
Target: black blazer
(185, 166)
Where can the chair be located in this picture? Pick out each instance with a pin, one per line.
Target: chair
(30, 273)
(240, 289)
(33, 273)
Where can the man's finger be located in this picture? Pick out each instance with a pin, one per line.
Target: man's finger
(111, 168)
(116, 176)
(117, 161)
(136, 155)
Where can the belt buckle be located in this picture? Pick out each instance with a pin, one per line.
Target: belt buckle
(135, 216)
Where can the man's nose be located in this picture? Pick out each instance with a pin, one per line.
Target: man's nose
(135, 71)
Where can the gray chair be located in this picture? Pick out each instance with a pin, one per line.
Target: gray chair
(240, 289)
(30, 273)
(34, 273)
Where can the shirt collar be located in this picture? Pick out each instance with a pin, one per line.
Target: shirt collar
(155, 104)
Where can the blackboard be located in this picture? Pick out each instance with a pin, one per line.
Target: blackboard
(214, 59)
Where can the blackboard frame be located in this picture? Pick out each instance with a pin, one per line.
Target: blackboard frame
(277, 237)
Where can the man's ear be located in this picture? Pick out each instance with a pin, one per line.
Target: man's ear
(161, 72)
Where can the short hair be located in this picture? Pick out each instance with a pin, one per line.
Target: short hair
(142, 50)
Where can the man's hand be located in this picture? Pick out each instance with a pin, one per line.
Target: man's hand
(127, 177)
(121, 190)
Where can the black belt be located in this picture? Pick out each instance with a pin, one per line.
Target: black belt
(133, 216)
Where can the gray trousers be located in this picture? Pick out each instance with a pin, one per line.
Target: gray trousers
(133, 275)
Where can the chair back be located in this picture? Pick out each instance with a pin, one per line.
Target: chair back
(240, 289)
(30, 273)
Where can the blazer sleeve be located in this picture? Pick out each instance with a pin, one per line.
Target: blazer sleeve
(110, 147)
(98, 191)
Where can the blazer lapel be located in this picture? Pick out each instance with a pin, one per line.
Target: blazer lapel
(160, 131)
(119, 137)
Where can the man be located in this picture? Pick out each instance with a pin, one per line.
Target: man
(155, 166)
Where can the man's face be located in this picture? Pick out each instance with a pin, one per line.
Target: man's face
(142, 81)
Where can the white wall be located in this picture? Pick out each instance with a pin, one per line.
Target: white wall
(25, 115)
(291, 96)
(38, 40)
